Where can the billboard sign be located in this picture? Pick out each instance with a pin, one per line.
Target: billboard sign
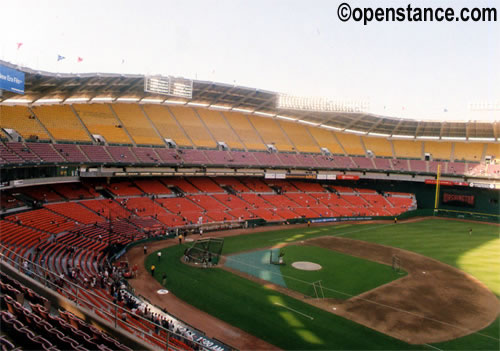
(11, 80)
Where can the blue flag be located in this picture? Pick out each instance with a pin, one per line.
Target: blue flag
(60, 57)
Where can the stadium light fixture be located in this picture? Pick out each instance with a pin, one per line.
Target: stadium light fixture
(151, 101)
(454, 138)
(402, 136)
(308, 123)
(175, 102)
(265, 114)
(287, 118)
(83, 99)
(220, 107)
(16, 101)
(378, 134)
(197, 104)
(127, 99)
(354, 131)
(330, 127)
(102, 99)
(428, 137)
(481, 139)
(244, 110)
(48, 101)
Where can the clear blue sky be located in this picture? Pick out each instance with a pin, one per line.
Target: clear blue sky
(298, 47)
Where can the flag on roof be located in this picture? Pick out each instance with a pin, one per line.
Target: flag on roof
(19, 45)
(60, 57)
(79, 59)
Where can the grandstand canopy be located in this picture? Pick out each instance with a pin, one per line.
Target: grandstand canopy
(53, 88)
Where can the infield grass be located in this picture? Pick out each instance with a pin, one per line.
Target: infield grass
(259, 310)
(342, 276)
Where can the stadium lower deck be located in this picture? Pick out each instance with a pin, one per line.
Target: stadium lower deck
(61, 228)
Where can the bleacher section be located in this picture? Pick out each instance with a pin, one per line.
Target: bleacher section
(19, 153)
(407, 148)
(204, 127)
(137, 124)
(438, 150)
(166, 125)
(351, 143)
(21, 120)
(271, 133)
(379, 146)
(300, 136)
(219, 128)
(325, 138)
(193, 126)
(468, 151)
(100, 120)
(62, 123)
(246, 132)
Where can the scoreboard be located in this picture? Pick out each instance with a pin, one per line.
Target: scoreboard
(172, 86)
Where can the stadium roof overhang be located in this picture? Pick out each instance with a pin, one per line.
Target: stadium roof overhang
(53, 88)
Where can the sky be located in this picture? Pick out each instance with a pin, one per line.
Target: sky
(425, 70)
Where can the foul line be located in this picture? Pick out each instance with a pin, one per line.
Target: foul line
(291, 309)
(434, 347)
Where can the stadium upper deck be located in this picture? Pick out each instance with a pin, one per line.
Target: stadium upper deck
(116, 111)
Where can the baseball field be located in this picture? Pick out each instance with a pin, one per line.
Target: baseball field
(443, 296)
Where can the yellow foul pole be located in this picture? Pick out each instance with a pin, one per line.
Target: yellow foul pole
(436, 201)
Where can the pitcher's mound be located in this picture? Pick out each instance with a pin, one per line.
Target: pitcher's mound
(306, 266)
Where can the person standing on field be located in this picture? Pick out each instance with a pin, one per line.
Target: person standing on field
(153, 270)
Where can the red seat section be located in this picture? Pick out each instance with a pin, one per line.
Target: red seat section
(152, 187)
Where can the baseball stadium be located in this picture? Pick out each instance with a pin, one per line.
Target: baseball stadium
(157, 212)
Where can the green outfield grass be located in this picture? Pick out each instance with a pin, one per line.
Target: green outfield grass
(342, 276)
(260, 311)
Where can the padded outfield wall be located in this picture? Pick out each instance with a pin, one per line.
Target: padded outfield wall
(484, 200)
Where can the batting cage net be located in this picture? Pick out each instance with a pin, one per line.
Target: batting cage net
(205, 251)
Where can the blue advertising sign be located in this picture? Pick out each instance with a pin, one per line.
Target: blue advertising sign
(11, 80)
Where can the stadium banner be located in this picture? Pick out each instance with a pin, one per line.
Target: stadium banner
(11, 80)
(340, 219)
(445, 182)
(454, 199)
(347, 177)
